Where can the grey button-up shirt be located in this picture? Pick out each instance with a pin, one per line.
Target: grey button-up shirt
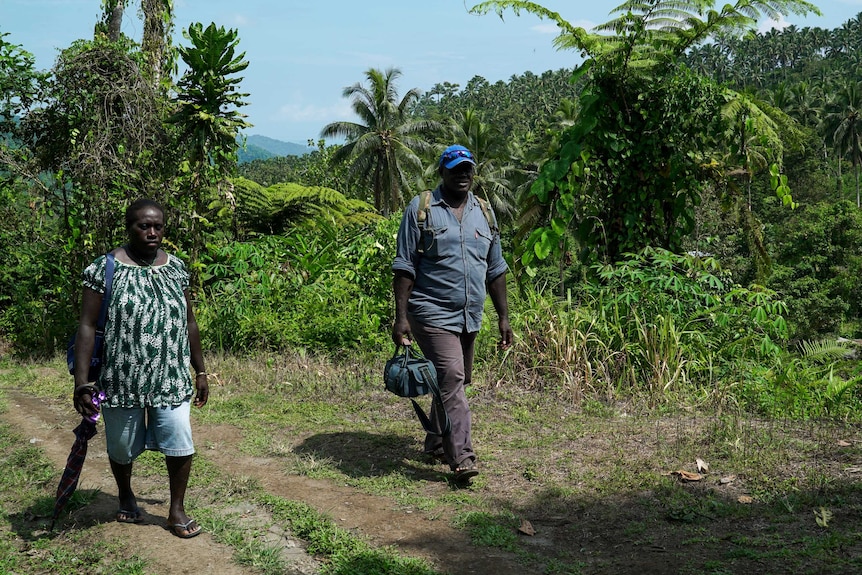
(457, 260)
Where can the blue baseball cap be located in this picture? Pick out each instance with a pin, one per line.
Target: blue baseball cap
(454, 155)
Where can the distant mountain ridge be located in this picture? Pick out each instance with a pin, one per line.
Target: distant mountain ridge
(261, 148)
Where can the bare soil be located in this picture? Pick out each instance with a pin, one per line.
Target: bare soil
(639, 533)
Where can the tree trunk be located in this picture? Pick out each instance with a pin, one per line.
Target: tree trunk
(158, 16)
(114, 18)
(856, 170)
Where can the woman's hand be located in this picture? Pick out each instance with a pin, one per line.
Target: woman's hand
(202, 389)
(82, 399)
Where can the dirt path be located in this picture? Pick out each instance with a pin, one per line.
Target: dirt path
(48, 425)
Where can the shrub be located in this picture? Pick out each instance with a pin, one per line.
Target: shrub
(654, 323)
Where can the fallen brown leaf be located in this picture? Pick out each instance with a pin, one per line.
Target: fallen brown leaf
(702, 465)
(687, 475)
(727, 479)
(526, 528)
(842, 443)
(745, 499)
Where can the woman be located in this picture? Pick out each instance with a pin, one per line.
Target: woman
(151, 337)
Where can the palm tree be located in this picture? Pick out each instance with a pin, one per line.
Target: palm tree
(384, 148)
(491, 179)
(848, 134)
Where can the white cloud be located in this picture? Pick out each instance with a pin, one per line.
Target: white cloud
(585, 24)
(299, 112)
(768, 25)
(546, 29)
(240, 21)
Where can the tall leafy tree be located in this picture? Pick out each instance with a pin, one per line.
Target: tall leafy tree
(384, 148)
(629, 173)
(19, 88)
(208, 118)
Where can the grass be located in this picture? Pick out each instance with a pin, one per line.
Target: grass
(26, 487)
(593, 477)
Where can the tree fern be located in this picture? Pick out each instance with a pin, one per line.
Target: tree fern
(822, 351)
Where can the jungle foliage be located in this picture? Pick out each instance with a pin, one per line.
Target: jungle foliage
(677, 217)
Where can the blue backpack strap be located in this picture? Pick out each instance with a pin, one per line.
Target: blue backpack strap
(109, 282)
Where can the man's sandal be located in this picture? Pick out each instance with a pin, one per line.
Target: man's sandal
(127, 516)
(466, 469)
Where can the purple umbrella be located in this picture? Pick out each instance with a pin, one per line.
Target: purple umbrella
(75, 462)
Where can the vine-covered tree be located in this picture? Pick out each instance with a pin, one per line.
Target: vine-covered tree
(100, 132)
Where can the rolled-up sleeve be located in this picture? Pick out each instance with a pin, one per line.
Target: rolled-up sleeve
(496, 262)
(406, 253)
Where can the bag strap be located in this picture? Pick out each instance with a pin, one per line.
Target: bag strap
(424, 209)
(422, 217)
(437, 398)
(109, 282)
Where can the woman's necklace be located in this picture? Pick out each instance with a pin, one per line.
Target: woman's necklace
(139, 260)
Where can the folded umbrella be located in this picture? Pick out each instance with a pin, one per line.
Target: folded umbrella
(75, 462)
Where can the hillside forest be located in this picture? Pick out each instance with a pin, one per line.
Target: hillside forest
(681, 209)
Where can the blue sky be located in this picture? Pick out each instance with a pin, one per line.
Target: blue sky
(302, 54)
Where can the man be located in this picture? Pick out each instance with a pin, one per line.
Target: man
(448, 257)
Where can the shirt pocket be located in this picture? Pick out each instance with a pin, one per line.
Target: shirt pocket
(481, 243)
(434, 242)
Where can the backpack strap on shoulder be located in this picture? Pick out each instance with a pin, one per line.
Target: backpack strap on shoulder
(422, 211)
(489, 214)
(422, 217)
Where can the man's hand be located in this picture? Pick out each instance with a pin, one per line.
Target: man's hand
(82, 399)
(506, 335)
(401, 333)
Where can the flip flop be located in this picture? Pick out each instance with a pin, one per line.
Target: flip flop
(185, 530)
(127, 516)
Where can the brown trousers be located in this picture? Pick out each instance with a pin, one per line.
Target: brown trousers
(452, 356)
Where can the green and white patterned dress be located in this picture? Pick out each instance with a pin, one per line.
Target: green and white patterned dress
(147, 353)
